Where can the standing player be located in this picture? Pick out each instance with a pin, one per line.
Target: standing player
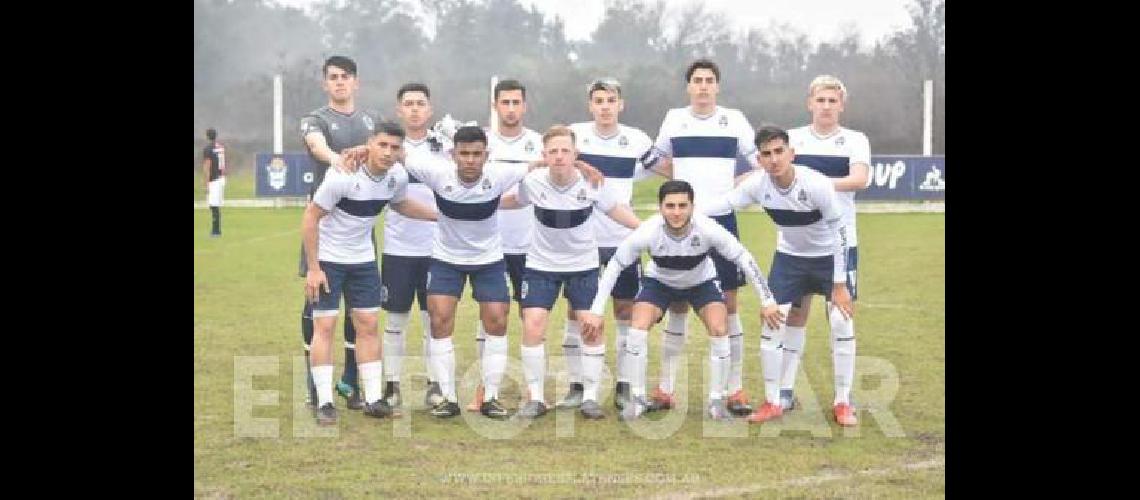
(341, 258)
(336, 127)
(512, 143)
(678, 243)
(407, 245)
(843, 155)
(624, 154)
(214, 171)
(563, 254)
(705, 141)
(811, 247)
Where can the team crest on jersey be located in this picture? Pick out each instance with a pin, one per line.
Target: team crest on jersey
(582, 194)
(277, 170)
(696, 241)
(486, 183)
(623, 141)
(723, 121)
(368, 122)
(529, 146)
(839, 141)
(802, 196)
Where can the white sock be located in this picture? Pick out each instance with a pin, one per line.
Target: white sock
(736, 354)
(322, 379)
(494, 364)
(480, 338)
(719, 362)
(572, 350)
(619, 353)
(443, 366)
(842, 353)
(772, 359)
(636, 349)
(534, 370)
(394, 345)
(593, 358)
(793, 350)
(372, 377)
(425, 320)
(671, 346)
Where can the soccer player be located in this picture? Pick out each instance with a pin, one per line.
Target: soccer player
(844, 156)
(468, 244)
(563, 256)
(214, 171)
(624, 154)
(340, 253)
(407, 245)
(679, 244)
(331, 132)
(512, 143)
(705, 141)
(811, 249)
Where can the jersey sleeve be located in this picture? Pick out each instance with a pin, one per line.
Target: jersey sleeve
(401, 192)
(745, 144)
(312, 123)
(860, 150)
(664, 143)
(508, 174)
(524, 195)
(332, 190)
(627, 253)
(605, 200)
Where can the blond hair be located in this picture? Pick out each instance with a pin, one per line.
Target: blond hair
(827, 82)
(558, 131)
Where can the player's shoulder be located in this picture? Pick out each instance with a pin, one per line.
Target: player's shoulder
(853, 135)
(811, 177)
(634, 133)
(530, 133)
(798, 132)
(581, 129)
(399, 172)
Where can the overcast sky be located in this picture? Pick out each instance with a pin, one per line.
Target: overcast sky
(821, 20)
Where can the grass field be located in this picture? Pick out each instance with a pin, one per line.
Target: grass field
(246, 304)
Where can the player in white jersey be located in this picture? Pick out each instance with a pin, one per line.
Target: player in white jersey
(706, 143)
(407, 246)
(811, 250)
(468, 244)
(512, 143)
(678, 243)
(341, 257)
(563, 253)
(624, 155)
(844, 156)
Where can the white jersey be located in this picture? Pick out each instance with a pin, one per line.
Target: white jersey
(682, 262)
(406, 236)
(523, 148)
(563, 236)
(705, 150)
(833, 156)
(808, 215)
(467, 231)
(353, 201)
(624, 157)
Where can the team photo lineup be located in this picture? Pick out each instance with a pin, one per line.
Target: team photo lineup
(528, 216)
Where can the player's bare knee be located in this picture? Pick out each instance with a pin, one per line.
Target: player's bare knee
(797, 317)
(623, 310)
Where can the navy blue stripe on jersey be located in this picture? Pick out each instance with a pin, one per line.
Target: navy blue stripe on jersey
(792, 218)
(361, 208)
(704, 147)
(466, 211)
(679, 262)
(562, 219)
(413, 179)
(504, 160)
(831, 166)
(611, 166)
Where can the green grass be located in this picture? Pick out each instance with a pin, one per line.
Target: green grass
(246, 303)
(239, 185)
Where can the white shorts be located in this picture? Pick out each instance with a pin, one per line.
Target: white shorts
(214, 192)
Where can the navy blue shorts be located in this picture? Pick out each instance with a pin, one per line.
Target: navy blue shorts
(628, 281)
(360, 284)
(730, 276)
(661, 295)
(403, 279)
(817, 272)
(488, 281)
(516, 268)
(540, 288)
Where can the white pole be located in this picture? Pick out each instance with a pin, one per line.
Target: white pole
(278, 122)
(928, 117)
(493, 122)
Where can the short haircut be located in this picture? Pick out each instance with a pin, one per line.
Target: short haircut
(342, 62)
(470, 133)
(702, 63)
(412, 87)
(674, 186)
(608, 84)
(558, 131)
(827, 82)
(505, 85)
(768, 133)
(211, 134)
(390, 128)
